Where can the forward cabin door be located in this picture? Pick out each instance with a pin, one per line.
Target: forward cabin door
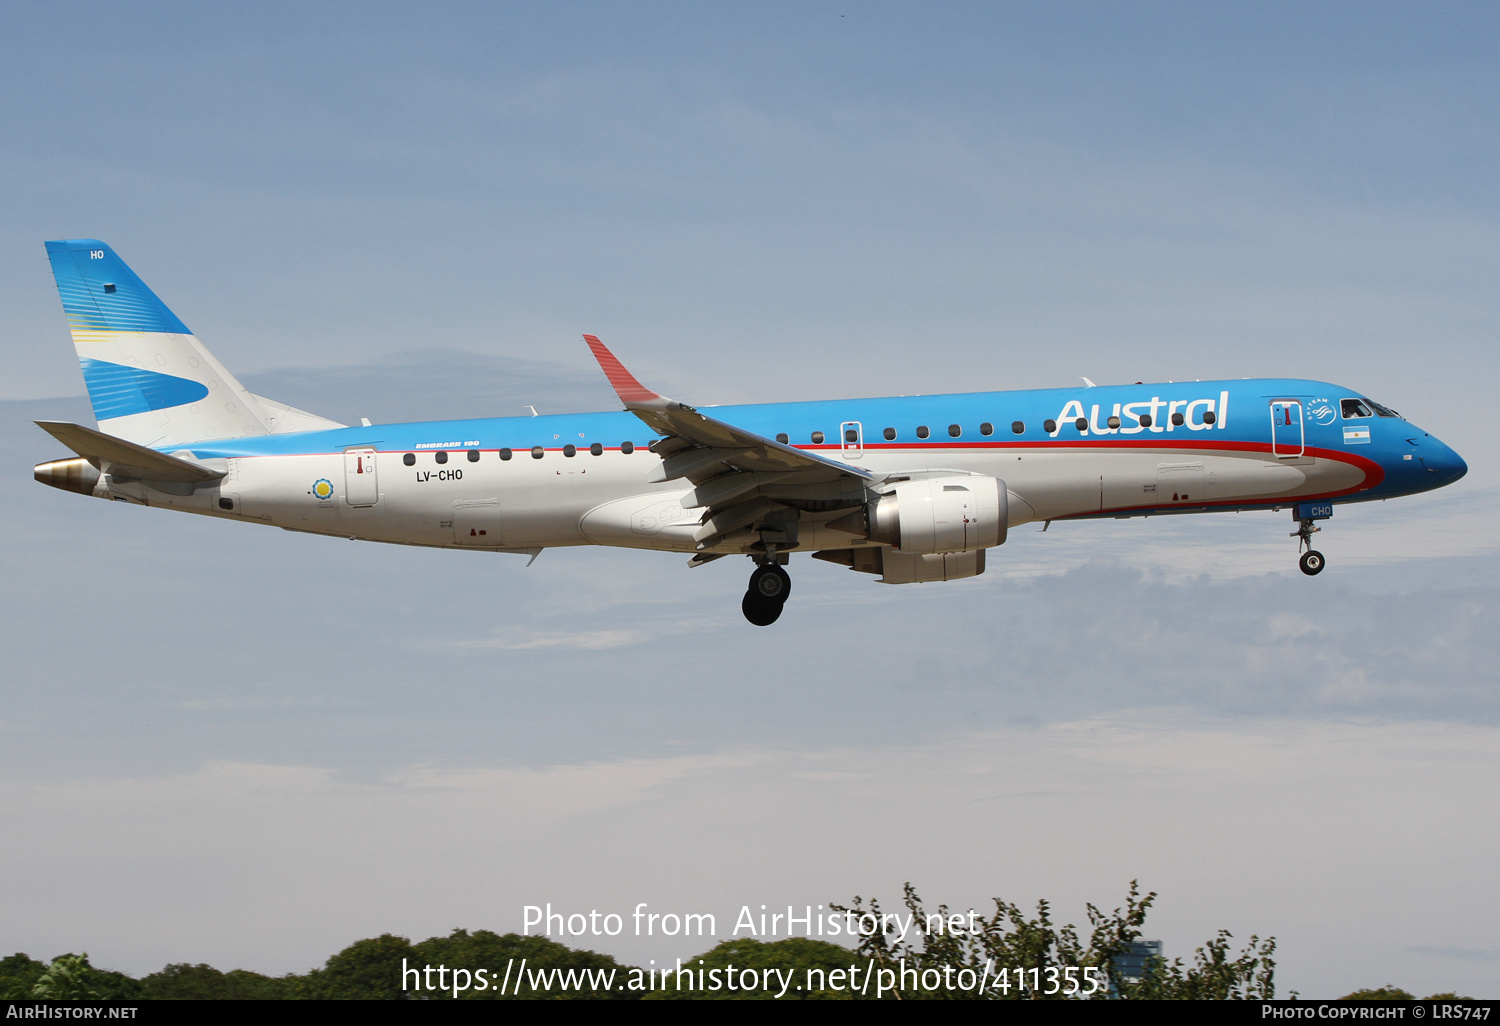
(360, 485)
(1287, 437)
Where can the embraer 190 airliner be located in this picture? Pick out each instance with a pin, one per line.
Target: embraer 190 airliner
(910, 489)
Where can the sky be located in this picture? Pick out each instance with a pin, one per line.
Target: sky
(226, 744)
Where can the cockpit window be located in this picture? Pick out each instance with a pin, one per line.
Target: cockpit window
(1353, 408)
(1385, 411)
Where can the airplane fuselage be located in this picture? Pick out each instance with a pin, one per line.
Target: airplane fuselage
(911, 488)
(522, 483)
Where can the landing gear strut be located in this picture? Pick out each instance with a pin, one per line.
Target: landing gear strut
(769, 587)
(1312, 560)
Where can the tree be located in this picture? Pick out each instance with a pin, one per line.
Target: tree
(789, 960)
(18, 974)
(464, 966)
(366, 970)
(1012, 955)
(183, 982)
(546, 962)
(1213, 975)
(71, 978)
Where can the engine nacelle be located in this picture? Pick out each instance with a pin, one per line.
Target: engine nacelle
(960, 513)
(907, 567)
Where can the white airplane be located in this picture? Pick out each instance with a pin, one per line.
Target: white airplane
(912, 489)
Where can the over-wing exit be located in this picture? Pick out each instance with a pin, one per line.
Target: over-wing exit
(908, 489)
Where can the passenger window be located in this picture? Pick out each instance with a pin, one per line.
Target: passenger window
(597, 449)
(1209, 418)
(627, 447)
(473, 455)
(441, 457)
(986, 428)
(505, 454)
(1018, 427)
(1049, 425)
(922, 431)
(1145, 420)
(782, 438)
(537, 452)
(570, 451)
(817, 438)
(1082, 423)
(890, 434)
(1113, 422)
(1177, 419)
(1353, 408)
(954, 430)
(851, 435)
(410, 459)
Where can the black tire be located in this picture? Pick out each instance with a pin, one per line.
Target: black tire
(758, 611)
(1311, 562)
(771, 583)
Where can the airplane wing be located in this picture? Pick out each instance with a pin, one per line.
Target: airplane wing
(111, 455)
(737, 472)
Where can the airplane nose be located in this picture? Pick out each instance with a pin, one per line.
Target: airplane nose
(1441, 461)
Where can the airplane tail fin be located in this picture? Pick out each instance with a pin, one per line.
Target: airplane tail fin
(150, 381)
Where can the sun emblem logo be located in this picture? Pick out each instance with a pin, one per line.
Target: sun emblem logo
(323, 488)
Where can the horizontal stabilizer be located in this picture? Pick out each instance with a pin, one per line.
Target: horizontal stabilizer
(111, 455)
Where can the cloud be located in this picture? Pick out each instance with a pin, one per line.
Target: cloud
(1263, 825)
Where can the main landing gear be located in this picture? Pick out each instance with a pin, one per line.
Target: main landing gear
(1312, 560)
(769, 587)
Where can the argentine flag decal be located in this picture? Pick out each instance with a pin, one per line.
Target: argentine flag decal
(1357, 434)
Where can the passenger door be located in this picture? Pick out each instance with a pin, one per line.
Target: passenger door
(1287, 435)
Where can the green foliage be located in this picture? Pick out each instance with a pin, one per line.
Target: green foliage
(183, 982)
(71, 978)
(18, 974)
(392, 968)
(1250, 976)
(794, 956)
(1387, 993)
(367, 969)
(1010, 939)
(1390, 992)
(544, 961)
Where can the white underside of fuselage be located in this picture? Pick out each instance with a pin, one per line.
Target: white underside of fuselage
(526, 504)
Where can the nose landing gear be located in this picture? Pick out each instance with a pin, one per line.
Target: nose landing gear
(769, 587)
(1312, 560)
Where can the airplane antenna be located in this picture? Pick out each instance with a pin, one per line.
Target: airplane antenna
(364, 421)
(1089, 383)
(533, 411)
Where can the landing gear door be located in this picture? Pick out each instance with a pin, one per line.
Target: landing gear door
(851, 439)
(1287, 435)
(360, 485)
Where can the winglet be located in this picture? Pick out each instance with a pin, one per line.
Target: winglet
(630, 391)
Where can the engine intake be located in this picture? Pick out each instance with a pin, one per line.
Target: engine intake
(940, 514)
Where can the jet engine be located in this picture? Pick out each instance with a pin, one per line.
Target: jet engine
(956, 513)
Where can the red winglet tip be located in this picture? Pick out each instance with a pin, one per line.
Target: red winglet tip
(625, 385)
